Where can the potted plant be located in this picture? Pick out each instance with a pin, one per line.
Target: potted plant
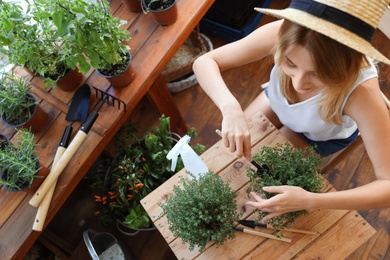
(93, 31)
(202, 210)
(164, 12)
(30, 39)
(284, 165)
(18, 107)
(19, 167)
(139, 168)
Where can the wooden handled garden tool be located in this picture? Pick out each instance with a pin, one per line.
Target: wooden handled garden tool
(253, 224)
(78, 111)
(73, 147)
(261, 234)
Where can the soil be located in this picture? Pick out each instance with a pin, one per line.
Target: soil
(116, 69)
(3, 142)
(160, 5)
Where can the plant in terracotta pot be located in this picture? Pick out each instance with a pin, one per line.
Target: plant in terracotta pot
(19, 167)
(19, 108)
(30, 39)
(139, 168)
(164, 12)
(202, 210)
(284, 165)
(93, 31)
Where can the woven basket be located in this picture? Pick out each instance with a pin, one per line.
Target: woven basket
(181, 64)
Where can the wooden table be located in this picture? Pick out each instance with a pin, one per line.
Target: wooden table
(152, 47)
(340, 232)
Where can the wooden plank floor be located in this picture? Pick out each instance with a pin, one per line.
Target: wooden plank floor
(199, 111)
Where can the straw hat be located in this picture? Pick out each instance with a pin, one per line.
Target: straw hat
(350, 22)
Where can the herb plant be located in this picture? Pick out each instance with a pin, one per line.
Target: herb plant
(140, 168)
(16, 105)
(91, 30)
(284, 165)
(29, 38)
(203, 210)
(19, 166)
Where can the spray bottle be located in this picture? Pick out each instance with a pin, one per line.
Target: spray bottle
(192, 162)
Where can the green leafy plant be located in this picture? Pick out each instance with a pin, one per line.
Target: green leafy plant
(91, 30)
(19, 166)
(140, 167)
(203, 210)
(29, 38)
(16, 102)
(284, 165)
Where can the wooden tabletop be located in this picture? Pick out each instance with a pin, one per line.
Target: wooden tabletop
(152, 47)
(339, 232)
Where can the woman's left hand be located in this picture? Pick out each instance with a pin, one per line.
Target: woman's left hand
(288, 199)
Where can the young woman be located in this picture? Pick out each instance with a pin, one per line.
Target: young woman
(323, 91)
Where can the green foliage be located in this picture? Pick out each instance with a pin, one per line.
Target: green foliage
(29, 38)
(91, 30)
(18, 164)
(140, 168)
(53, 36)
(15, 103)
(203, 210)
(284, 165)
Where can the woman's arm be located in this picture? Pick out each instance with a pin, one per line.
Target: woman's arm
(366, 107)
(207, 69)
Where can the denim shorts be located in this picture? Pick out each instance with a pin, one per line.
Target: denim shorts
(325, 148)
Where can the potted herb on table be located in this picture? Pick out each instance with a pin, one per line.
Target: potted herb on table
(30, 39)
(18, 107)
(140, 168)
(93, 31)
(202, 210)
(284, 165)
(164, 12)
(19, 166)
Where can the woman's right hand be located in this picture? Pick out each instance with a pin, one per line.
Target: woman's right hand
(236, 136)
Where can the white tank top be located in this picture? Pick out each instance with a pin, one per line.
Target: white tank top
(303, 117)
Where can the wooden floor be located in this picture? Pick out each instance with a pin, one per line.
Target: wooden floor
(64, 233)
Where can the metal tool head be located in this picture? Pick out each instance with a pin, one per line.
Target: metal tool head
(247, 223)
(108, 98)
(79, 106)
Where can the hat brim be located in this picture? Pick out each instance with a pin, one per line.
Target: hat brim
(329, 29)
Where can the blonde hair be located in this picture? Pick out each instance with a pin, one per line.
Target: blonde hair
(337, 67)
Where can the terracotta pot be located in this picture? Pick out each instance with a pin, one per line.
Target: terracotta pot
(71, 81)
(165, 16)
(132, 5)
(122, 79)
(36, 123)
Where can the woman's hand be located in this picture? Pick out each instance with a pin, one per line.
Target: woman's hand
(289, 199)
(236, 136)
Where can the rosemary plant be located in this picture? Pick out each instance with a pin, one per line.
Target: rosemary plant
(284, 165)
(16, 105)
(203, 210)
(19, 166)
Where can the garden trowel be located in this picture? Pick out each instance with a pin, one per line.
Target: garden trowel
(73, 147)
(78, 111)
(253, 224)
